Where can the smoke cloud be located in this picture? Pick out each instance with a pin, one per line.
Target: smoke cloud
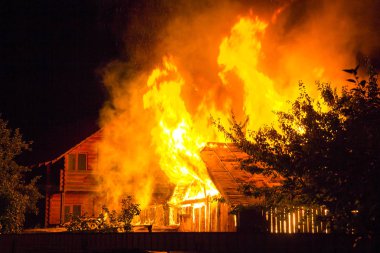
(304, 40)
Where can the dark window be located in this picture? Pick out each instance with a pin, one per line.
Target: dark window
(77, 210)
(82, 161)
(67, 213)
(71, 161)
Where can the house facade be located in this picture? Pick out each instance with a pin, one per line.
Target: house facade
(70, 185)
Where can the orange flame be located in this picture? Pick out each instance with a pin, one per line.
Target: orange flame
(239, 54)
(176, 140)
(160, 122)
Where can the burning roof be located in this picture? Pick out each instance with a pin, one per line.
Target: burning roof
(223, 165)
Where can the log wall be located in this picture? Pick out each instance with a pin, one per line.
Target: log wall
(54, 209)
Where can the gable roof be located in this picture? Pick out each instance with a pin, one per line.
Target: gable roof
(93, 137)
(223, 165)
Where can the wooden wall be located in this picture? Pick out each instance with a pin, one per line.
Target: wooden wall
(210, 217)
(54, 209)
(82, 181)
(85, 200)
(76, 187)
(90, 147)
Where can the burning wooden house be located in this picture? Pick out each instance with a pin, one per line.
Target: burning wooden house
(72, 187)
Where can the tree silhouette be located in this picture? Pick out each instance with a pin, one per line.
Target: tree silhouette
(17, 197)
(327, 153)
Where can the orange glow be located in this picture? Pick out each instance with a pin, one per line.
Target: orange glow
(175, 137)
(239, 56)
(159, 120)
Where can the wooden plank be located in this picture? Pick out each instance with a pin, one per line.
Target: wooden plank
(54, 209)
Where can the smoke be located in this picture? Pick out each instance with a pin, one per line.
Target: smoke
(304, 40)
(315, 40)
(142, 27)
(309, 40)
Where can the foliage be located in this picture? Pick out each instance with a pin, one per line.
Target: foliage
(128, 211)
(326, 154)
(17, 196)
(107, 221)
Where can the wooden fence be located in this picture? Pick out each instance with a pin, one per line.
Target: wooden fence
(297, 220)
(183, 242)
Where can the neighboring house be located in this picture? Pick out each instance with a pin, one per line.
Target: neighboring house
(70, 187)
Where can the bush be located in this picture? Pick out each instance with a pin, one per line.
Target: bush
(107, 221)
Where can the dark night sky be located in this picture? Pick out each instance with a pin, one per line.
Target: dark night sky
(50, 54)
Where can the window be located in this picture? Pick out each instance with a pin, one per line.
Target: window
(82, 161)
(71, 161)
(77, 210)
(67, 213)
(77, 161)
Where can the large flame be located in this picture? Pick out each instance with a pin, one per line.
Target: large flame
(161, 121)
(176, 139)
(239, 53)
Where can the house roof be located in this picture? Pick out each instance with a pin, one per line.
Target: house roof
(97, 135)
(223, 165)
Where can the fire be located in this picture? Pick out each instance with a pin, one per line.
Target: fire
(176, 134)
(239, 54)
(179, 136)
(175, 137)
(161, 121)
